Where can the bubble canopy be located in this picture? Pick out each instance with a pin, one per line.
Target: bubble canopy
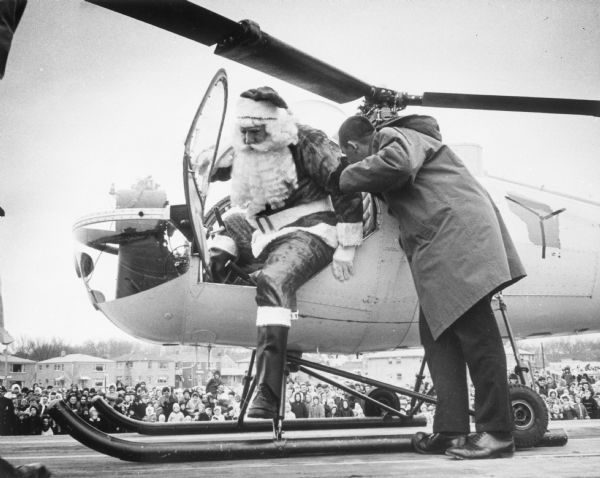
(123, 252)
(129, 250)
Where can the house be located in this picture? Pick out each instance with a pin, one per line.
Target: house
(16, 370)
(80, 369)
(527, 358)
(194, 366)
(154, 369)
(397, 367)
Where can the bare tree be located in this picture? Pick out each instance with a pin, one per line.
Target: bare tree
(38, 349)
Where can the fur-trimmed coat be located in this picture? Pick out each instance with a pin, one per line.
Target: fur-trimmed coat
(316, 158)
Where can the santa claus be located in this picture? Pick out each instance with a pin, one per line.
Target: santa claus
(293, 225)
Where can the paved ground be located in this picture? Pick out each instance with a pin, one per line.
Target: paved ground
(68, 458)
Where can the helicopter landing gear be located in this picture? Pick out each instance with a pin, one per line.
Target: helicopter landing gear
(278, 420)
(387, 397)
(530, 416)
(529, 410)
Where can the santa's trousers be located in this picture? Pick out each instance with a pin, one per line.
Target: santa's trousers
(288, 263)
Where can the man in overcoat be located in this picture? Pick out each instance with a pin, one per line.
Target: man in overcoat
(460, 254)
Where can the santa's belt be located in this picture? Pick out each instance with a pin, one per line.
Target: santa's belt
(275, 222)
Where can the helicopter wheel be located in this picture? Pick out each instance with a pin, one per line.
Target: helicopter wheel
(384, 396)
(530, 416)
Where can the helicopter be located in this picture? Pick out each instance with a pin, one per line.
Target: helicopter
(157, 284)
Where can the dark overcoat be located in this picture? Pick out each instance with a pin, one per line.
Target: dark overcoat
(455, 240)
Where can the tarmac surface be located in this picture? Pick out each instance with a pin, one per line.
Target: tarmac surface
(66, 457)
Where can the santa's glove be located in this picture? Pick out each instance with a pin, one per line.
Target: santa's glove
(343, 262)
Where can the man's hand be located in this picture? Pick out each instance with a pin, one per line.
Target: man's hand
(343, 263)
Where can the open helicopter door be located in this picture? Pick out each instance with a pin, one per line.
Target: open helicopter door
(201, 149)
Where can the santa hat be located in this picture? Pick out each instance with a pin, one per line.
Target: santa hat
(261, 106)
(264, 106)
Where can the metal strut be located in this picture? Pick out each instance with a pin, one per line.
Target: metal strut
(249, 386)
(520, 370)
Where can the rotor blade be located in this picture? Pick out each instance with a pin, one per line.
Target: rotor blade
(177, 16)
(267, 54)
(511, 103)
(244, 43)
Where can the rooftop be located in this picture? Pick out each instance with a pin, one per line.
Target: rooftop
(77, 358)
(15, 359)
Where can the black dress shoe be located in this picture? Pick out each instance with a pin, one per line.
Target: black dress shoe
(435, 443)
(264, 405)
(35, 470)
(484, 445)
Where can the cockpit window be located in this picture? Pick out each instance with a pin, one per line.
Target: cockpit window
(201, 149)
(127, 255)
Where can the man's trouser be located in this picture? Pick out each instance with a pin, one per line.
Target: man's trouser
(474, 340)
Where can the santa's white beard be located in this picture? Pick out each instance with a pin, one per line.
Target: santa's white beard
(261, 176)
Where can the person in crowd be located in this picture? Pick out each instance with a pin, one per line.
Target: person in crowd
(585, 385)
(567, 376)
(567, 408)
(184, 399)
(513, 379)
(212, 386)
(345, 410)
(218, 414)
(298, 406)
(22, 417)
(288, 413)
(230, 414)
(95, 420)
(46, 429)
(357, 410)
(73, 404)
(451, 233)
(112, 395)
(580, 410)
(7, 412)
(294, 225)
(316, 409)
(35, 421)
(150, 414)
(193, 405)
(43, 405)
(176, 414)
(205, 414)
(166, 401)
(590, 404)
(84, 406)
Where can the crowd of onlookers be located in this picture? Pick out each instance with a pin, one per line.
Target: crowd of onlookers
(24, 411)
(569, 396)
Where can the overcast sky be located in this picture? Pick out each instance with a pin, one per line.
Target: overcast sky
(92, 98)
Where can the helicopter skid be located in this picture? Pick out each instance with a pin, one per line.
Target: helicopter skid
(205, 450)
(249, 425)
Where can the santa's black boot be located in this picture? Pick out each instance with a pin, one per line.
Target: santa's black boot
(270, 363)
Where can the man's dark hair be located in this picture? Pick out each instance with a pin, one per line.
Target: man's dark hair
(354, 128)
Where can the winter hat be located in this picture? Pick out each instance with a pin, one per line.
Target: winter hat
(260, 106)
